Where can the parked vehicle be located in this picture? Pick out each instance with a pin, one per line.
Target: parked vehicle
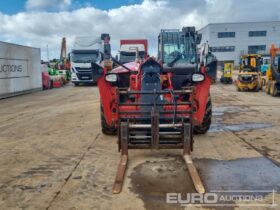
(52, 78)
(86, 50)
(266, 61)
(132, 49)
(250, 77)
(273, 73)
(159, 104)
(227, 70)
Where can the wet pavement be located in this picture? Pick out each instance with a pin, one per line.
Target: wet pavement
(225, 111)
(238, 127)
(152, 180)
(246, 174)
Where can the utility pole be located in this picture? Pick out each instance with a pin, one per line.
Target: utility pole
(48, 52)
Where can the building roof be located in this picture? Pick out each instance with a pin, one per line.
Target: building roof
(231, 23)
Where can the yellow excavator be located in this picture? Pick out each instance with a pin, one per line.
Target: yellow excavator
(249, 77)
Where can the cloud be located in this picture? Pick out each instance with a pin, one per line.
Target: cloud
(39, 28)
(47, 4)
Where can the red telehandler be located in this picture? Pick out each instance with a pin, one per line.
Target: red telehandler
(159, 104)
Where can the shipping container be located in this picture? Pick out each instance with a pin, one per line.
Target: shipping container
(20, 69)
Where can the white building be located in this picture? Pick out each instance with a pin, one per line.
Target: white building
(230, 40)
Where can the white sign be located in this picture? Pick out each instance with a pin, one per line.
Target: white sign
(13, 68)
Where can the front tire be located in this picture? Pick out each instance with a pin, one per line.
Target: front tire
(106, 129)
(205, 126)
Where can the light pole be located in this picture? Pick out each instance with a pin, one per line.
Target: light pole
(48, 52)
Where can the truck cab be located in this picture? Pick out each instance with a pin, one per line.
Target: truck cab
(132, 49)
(86, 51)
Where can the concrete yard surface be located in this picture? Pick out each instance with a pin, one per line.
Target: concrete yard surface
(53, 154)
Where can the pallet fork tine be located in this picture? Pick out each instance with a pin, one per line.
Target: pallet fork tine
(187, 139)
(194, 174)
(117, 188)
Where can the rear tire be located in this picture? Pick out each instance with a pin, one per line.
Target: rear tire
(106, 129)
(273, 90)
(205, 126)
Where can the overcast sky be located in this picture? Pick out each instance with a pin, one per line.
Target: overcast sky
(39, 23)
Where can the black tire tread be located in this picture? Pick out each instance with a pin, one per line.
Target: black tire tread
(106, 129)
(205, 126)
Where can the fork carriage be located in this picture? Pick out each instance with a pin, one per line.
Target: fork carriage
(154, 123)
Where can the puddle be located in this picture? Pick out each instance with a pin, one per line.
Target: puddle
(241, 174)
(219, 126)
(219, 111)
(152, 180)
(238, 127)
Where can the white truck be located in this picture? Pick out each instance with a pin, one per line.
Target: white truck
(86, 51)
(130, 47)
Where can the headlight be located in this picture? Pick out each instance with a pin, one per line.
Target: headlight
(197, 77)
(112, 78)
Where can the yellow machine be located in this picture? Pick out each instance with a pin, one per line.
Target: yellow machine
(249, 77)
(273, 73)
(226, 77)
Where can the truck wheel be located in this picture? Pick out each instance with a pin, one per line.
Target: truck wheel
(106, 129)
(76, 84)
(204, 127)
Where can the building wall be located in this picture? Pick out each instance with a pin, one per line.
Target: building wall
(242, 40)
(20, 69)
